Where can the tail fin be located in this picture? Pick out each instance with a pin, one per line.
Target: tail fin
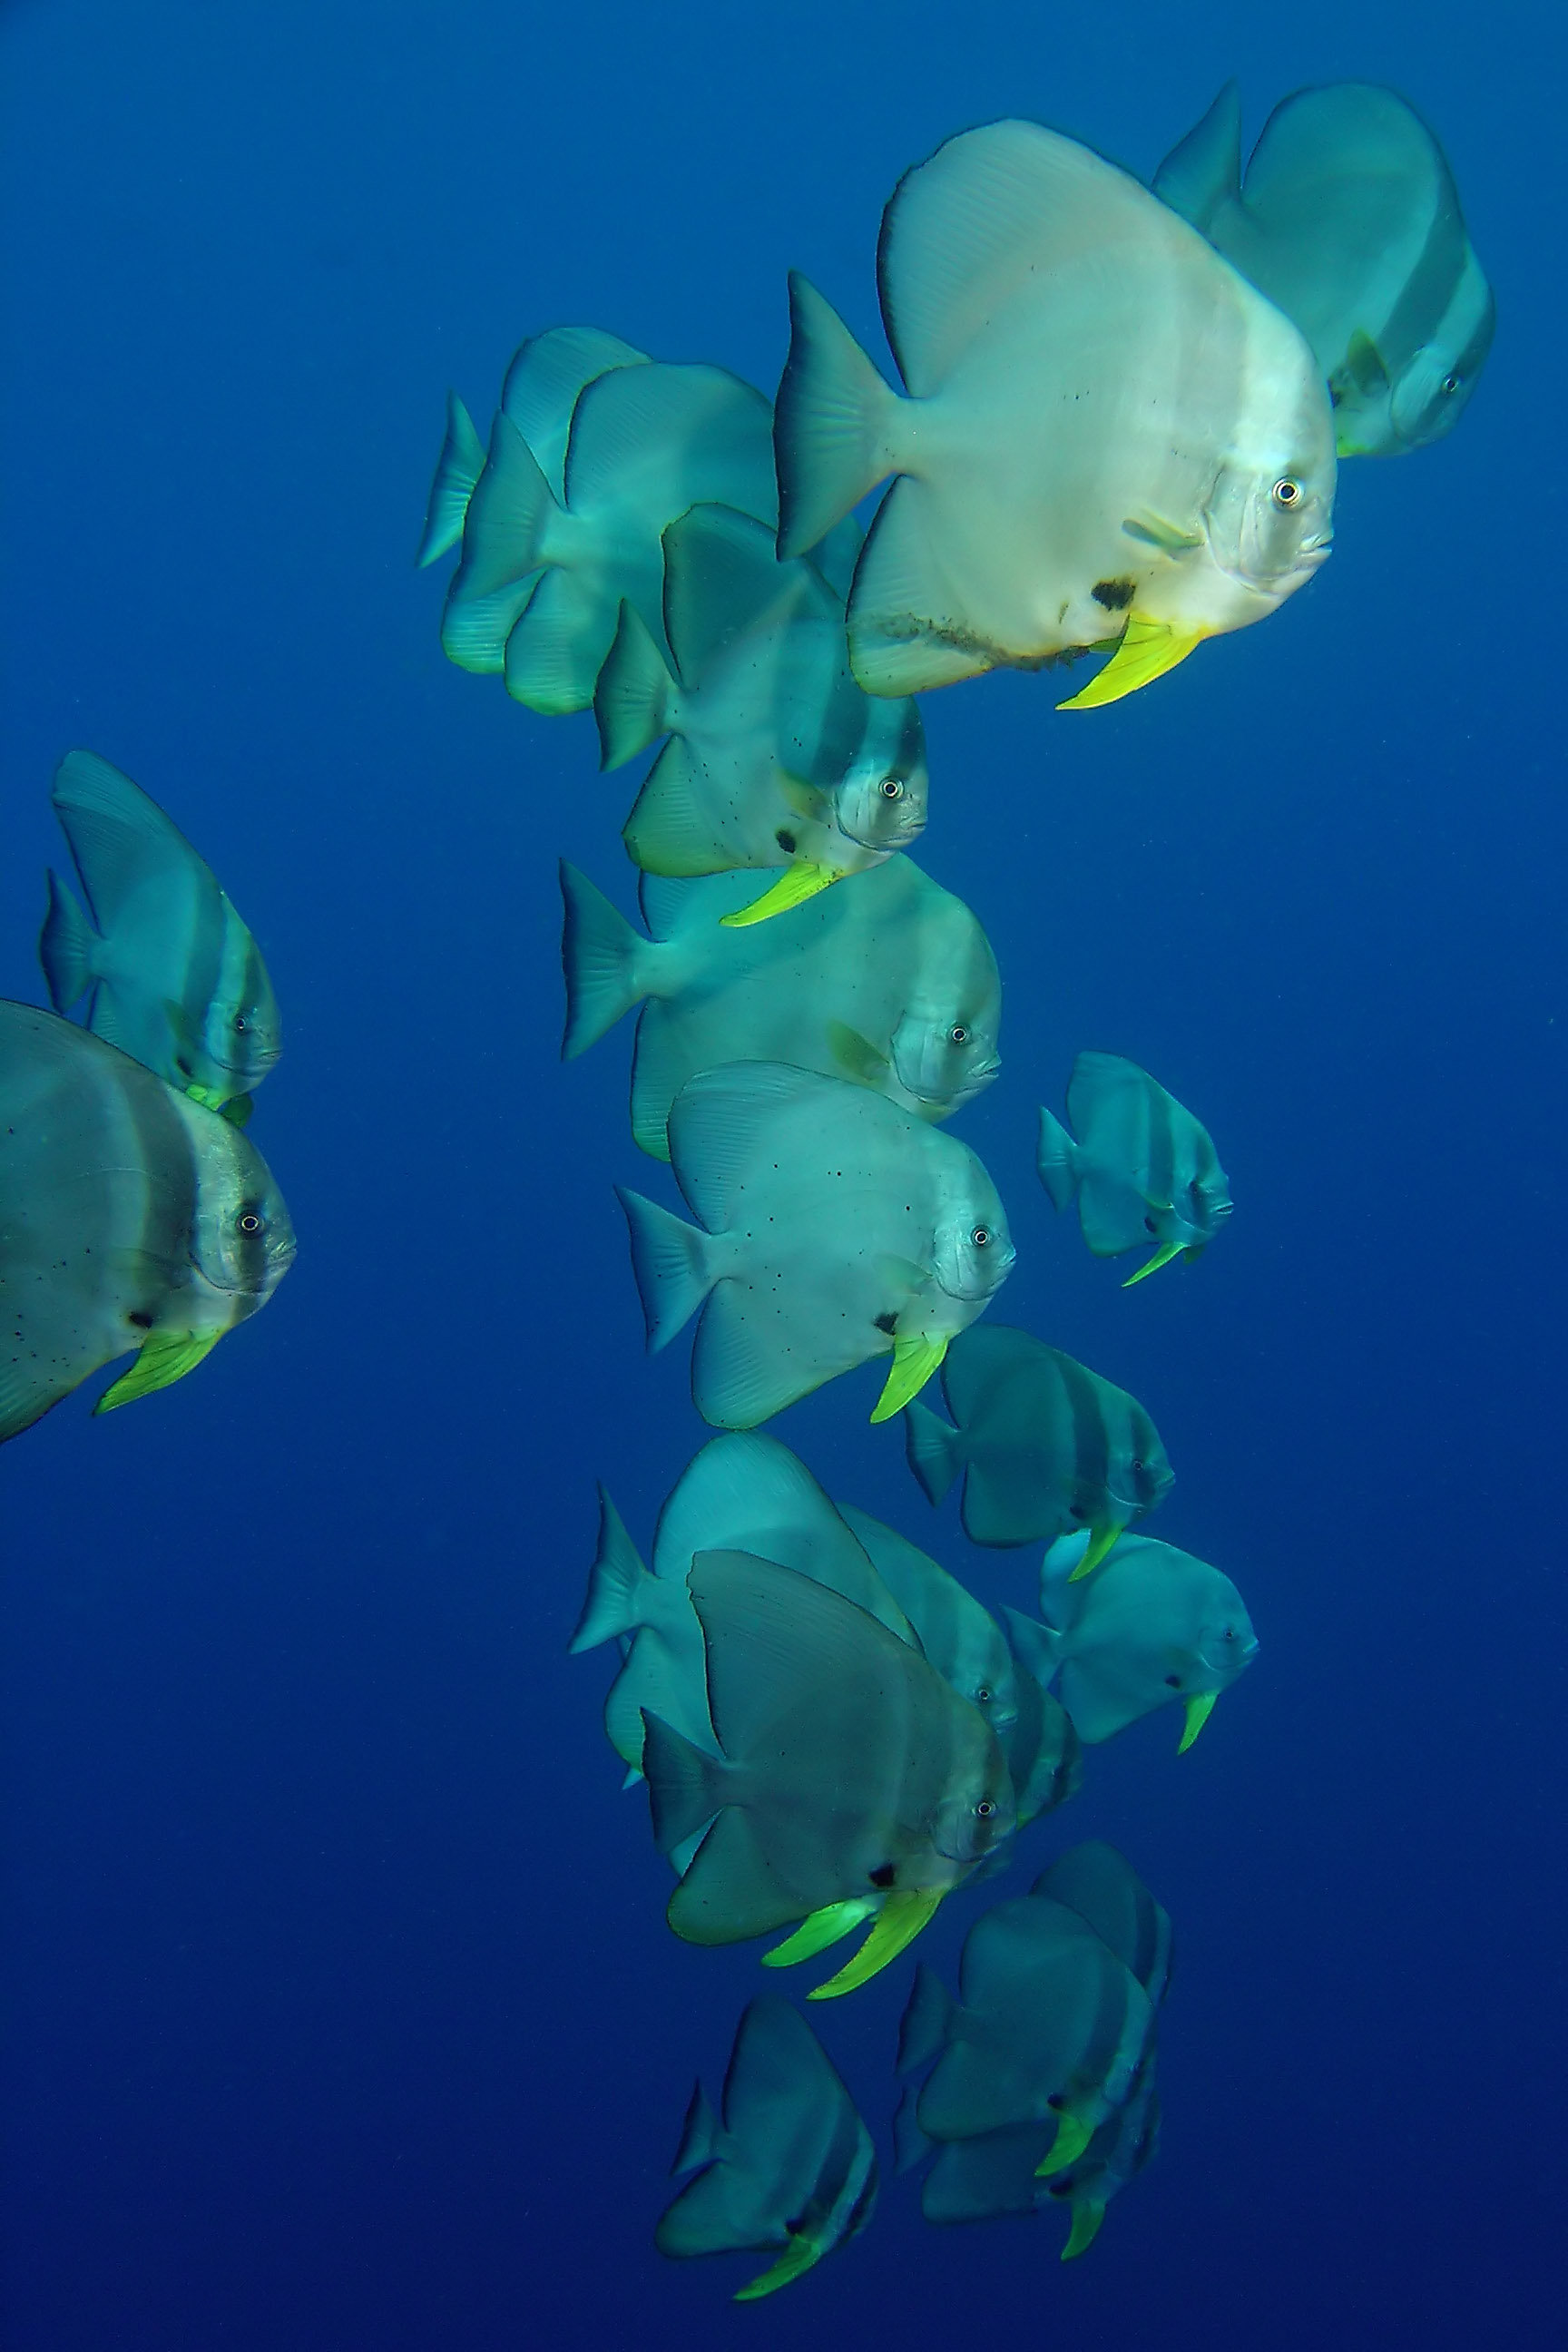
(934, 1451)
(506, 520)
(685, 1788)
(610, 1608)
(1059, 1161)
(599, 953)
(923, 2027)
(457, 469)
(632, 699)
(65, 947)
(831, 422)
(1035, 1645)
(701, 2135)
(670, 1258)
(1202, 175)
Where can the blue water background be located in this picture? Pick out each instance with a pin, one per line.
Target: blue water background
(341, 2012)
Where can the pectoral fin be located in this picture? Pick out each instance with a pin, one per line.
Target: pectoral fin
(165, 1357)
(826, 1926)
(808, 801)
(898, 1923)
(1073, 2135)
(796, 2258)
(1363, 365)
(1162, 1256)
(1147, 649)
(1087, 2217)
(795, 885)
(856, 1055)
(1200, 1706)
(1099, 1543)
(1157, 531)
(914, 1360)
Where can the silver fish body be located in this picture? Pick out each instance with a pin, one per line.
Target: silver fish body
(1140, 1167)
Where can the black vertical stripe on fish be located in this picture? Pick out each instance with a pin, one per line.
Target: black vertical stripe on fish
(1162, 1145)
(1091, 1439)
(165, 1154)
(1429, 290)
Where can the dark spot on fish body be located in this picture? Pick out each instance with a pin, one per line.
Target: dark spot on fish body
(1114, 594)
(887, 1321)
(785, 839)
(142, 1322)
(884, 1875)
(1173, 1681)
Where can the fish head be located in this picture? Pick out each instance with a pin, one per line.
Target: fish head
(979, 1812)
(1269, 520)
(1200, 1206)
(243, 1032)
(243, 1237)
(1226, 1644)
(1139, 1474)
(879, 803)
(972, 1251)
(943, 1058)
(1434, 385)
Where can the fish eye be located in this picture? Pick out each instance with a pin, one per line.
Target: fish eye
(958, 1034)
(1139, 1468)
(982, 1696)
(1451, 382)
(984, 1810)
(1286, 492)
(892, 788)
(981, 1237)
(249, 1224)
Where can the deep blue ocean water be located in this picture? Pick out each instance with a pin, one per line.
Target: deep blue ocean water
(339, 2009)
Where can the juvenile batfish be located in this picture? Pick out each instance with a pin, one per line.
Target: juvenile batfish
(791, 2165)
(834, 1228)
(1046, 1445)
(176, 979)
(1349, 219)
(850, 1769)
(1049, 2031)
(744, 1492)
(550, 573)
(1153, 1627)
(1141, 1167)
(1109, 435)
(130, 1217)
(889, 980)
(546, 375)
(775, 757)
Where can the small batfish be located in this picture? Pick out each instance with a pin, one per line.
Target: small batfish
(542, 384)
(775, 757)
(834, 1228)
(1152, 1627)
(548, 574)
(176, 979)
(1045, 1446)
(791, 2165)
(848, 1769)
(1140, 1169)
(889, 980)
(1049, 2031)
(130, 1217)
(1109, 439)
(1350, 221)
(740, 1493)
(963, 1641)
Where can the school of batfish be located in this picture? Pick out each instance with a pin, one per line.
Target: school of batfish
(1117, 434)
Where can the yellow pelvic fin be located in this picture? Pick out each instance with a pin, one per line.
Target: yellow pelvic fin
(897, 1925)
(914, 1360)
(1162, 1256)
(1087, 2217)
(1073, 2135)
(1099, 1543)
(826, 1926)
(165, 1357)
(796, 2258)
(1147, 651)
(1200, 1706)
(795, 885)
